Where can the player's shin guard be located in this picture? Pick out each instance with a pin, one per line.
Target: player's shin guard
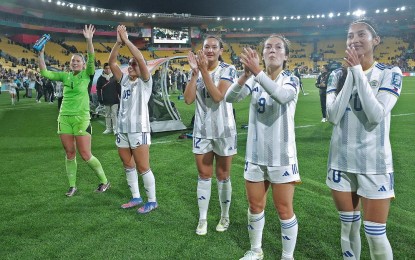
(380, 248)
(350, 234)
(289, 231)
(256, 224)
(149, 185)
(132, 180)
(96, 166)
(203, 196)
(71, 168)
(225, 194)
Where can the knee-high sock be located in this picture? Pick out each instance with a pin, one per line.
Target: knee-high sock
(203, 196)
(225, 194)
(71, 168)
(132, 180)
(149, 185)
(380, 248)
(289, 231)
(350, 234)
(256, 224)
(96, 166)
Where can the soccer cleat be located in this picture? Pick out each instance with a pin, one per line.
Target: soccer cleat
(71, 191)
(253, 255)
(102, 187)
(149, 206)
(223, 224)
(106, 132)
(132, 203)
(323, 120)
(201, 229)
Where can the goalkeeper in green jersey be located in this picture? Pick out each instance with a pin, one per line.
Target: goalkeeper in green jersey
(74, 127)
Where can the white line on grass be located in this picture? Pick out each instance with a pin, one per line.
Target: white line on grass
(408, 114)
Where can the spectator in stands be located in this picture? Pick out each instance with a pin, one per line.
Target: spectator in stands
(109, 91)
(321, 84)
(360, 98)
(133, 124)
(298, 75)
(74, 125)
(271, 153)
(214, 132)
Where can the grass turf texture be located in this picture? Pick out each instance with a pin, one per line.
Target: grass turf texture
(39, 222)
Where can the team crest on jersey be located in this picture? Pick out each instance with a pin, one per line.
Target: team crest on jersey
(373, 83)
(396, 80)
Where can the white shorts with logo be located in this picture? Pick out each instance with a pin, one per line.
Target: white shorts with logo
(220, 146)
(371, 186)
(273, 174)
(132, 140)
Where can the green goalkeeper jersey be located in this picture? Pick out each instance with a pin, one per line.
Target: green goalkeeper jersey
(75, 91)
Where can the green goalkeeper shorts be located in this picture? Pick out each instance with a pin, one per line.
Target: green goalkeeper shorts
(74, 125)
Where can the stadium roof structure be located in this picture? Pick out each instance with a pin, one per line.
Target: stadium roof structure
(393, 19)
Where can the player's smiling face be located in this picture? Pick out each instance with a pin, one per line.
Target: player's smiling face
(212, 49)
(77, 63)
(274, 52)
(132, 64)
(362, 39)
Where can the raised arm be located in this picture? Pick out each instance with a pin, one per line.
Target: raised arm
(190, 91)
(142, 67)
(88, 32)
(42, 64)
(112, 60)
(217, 93)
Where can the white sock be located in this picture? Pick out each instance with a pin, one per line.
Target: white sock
(132, 180)
(149, 185)
(225, 194)
(289, 231)
(350, 234)
(203, 196)
(380, 248)
(256, 224)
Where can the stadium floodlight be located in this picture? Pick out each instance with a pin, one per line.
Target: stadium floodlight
(233, 18)
(359, 12)
(292, 17)
(218, 18)
(398, 9)
(278, 17)
(308, 16)
(403, 8)
(254, 18)
(318, 16)
(49, 1)
(78, 7)
(114, 13)
(348, 13)
(261, 18)
(385, 10)
(273, 18)
(331, 15)
(83, 8)
(92, 9)
(312, 16)
(71, 5)
(248, 18)
(58, 3)
(338, 14)
(323, 16)
(377, 11)
(239, 18)
(135, 15)
(153, 16)
(285, 17)
(298, 17)
(243, 18)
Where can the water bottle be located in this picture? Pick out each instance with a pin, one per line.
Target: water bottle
(41, 42)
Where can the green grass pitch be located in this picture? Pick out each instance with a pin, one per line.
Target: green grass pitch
(39, 222)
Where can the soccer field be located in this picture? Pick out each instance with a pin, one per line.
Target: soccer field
(39, 222)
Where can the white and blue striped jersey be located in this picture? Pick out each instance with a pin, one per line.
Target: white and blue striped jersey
(133, 114)
(271, 135)
(214, 120)
(361, 114)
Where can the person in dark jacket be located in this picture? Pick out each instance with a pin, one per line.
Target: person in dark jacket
(321, 84)
(108, 91)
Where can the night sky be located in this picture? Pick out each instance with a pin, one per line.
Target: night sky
(243, 7)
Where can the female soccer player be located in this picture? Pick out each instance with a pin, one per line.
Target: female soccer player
(133, 124)
(74, 125)
(214, 132)
(12, 90)
(271, 154)
(360, 169)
